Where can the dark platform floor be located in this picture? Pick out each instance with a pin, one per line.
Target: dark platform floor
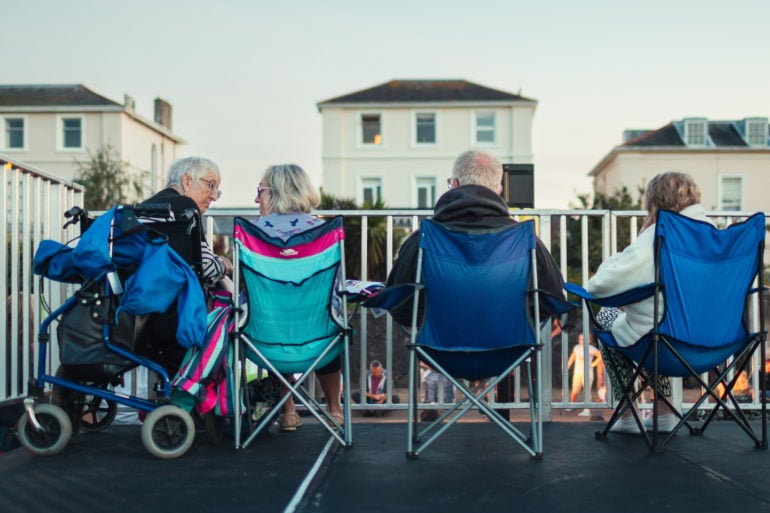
(472, 469)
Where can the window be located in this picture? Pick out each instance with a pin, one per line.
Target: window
(756, 132)
(14, 133)
(695, 132)
(426, 192)
(70, 132)
(371, 129)
(485, 127)
(371, 191)
(425, 127)
(730, 193)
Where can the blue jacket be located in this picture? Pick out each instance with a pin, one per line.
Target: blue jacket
(162, 275)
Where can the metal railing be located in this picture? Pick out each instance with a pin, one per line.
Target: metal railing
(616, 229)
(35, 202)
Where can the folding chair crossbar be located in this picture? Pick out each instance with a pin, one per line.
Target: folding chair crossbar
(295, 389)
(647, 378)
(470, 398)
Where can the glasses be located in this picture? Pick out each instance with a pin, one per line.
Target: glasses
(261, 188)
(213, 187)
(450, 183)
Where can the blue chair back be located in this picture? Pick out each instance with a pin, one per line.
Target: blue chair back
(477, 295)
(706, 274)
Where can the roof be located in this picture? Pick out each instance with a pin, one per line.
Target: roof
(425, 91)
(722, 133)
(51, 95)
(41, 97)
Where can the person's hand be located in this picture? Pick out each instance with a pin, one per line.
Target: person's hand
(228, 266)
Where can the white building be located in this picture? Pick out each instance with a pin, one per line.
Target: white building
(396, 141)
(729, 160)
(52, 126)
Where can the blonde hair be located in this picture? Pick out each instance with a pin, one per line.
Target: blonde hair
(670, 191)
(291, 190)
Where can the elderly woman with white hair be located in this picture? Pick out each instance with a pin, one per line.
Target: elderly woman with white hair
(193, 183)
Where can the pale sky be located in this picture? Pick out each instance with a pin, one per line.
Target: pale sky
(244, 76)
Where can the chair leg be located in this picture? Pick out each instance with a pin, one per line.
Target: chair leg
(412, 407)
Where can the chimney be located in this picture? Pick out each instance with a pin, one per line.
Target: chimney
(163, 113)
(128, 102)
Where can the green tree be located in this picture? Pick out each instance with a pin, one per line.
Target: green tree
(376, 243)
(106, 181)
(621, 200)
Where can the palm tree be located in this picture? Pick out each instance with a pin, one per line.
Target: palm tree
(376, 242)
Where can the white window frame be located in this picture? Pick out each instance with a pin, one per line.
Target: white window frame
(366, 182)
(4, 134)
(360, 131)
(475, 127)
(425, 182)
(689, 127)
(721, 191)
(762, 124)
(415, 142)
(60, 132)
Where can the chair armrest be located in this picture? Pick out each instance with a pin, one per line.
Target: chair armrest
(357, 291)
(556, 305)
(393, 296)
(623, 298)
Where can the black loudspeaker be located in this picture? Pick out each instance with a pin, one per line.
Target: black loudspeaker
(519, 185)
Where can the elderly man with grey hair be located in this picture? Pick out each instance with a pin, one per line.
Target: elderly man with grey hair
(472, 202)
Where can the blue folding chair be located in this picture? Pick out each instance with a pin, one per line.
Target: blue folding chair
(705, 278)
(481, 321)
(297, 319)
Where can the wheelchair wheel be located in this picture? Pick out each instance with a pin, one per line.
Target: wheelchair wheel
(168, 432)
(55, 435)
(98, 414)
(85, 411)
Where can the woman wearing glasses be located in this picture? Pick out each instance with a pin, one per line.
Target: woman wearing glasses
(193, 183)
(286, 197)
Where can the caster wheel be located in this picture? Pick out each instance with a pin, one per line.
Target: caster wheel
(168, 432)
(53, 438)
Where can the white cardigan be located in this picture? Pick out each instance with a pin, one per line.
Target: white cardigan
(633, 267)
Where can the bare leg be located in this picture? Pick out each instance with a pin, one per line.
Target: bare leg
(332, 386)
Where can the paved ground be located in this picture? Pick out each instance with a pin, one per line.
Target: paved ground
(472, 469)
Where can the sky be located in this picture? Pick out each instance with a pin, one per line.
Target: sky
(244, 77)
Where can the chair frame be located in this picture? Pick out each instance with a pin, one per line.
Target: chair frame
(530, 358)
(658, 341)
(296, 387)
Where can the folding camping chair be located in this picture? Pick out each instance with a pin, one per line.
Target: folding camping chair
(297, 316)
(705, 278)
(481, 321)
